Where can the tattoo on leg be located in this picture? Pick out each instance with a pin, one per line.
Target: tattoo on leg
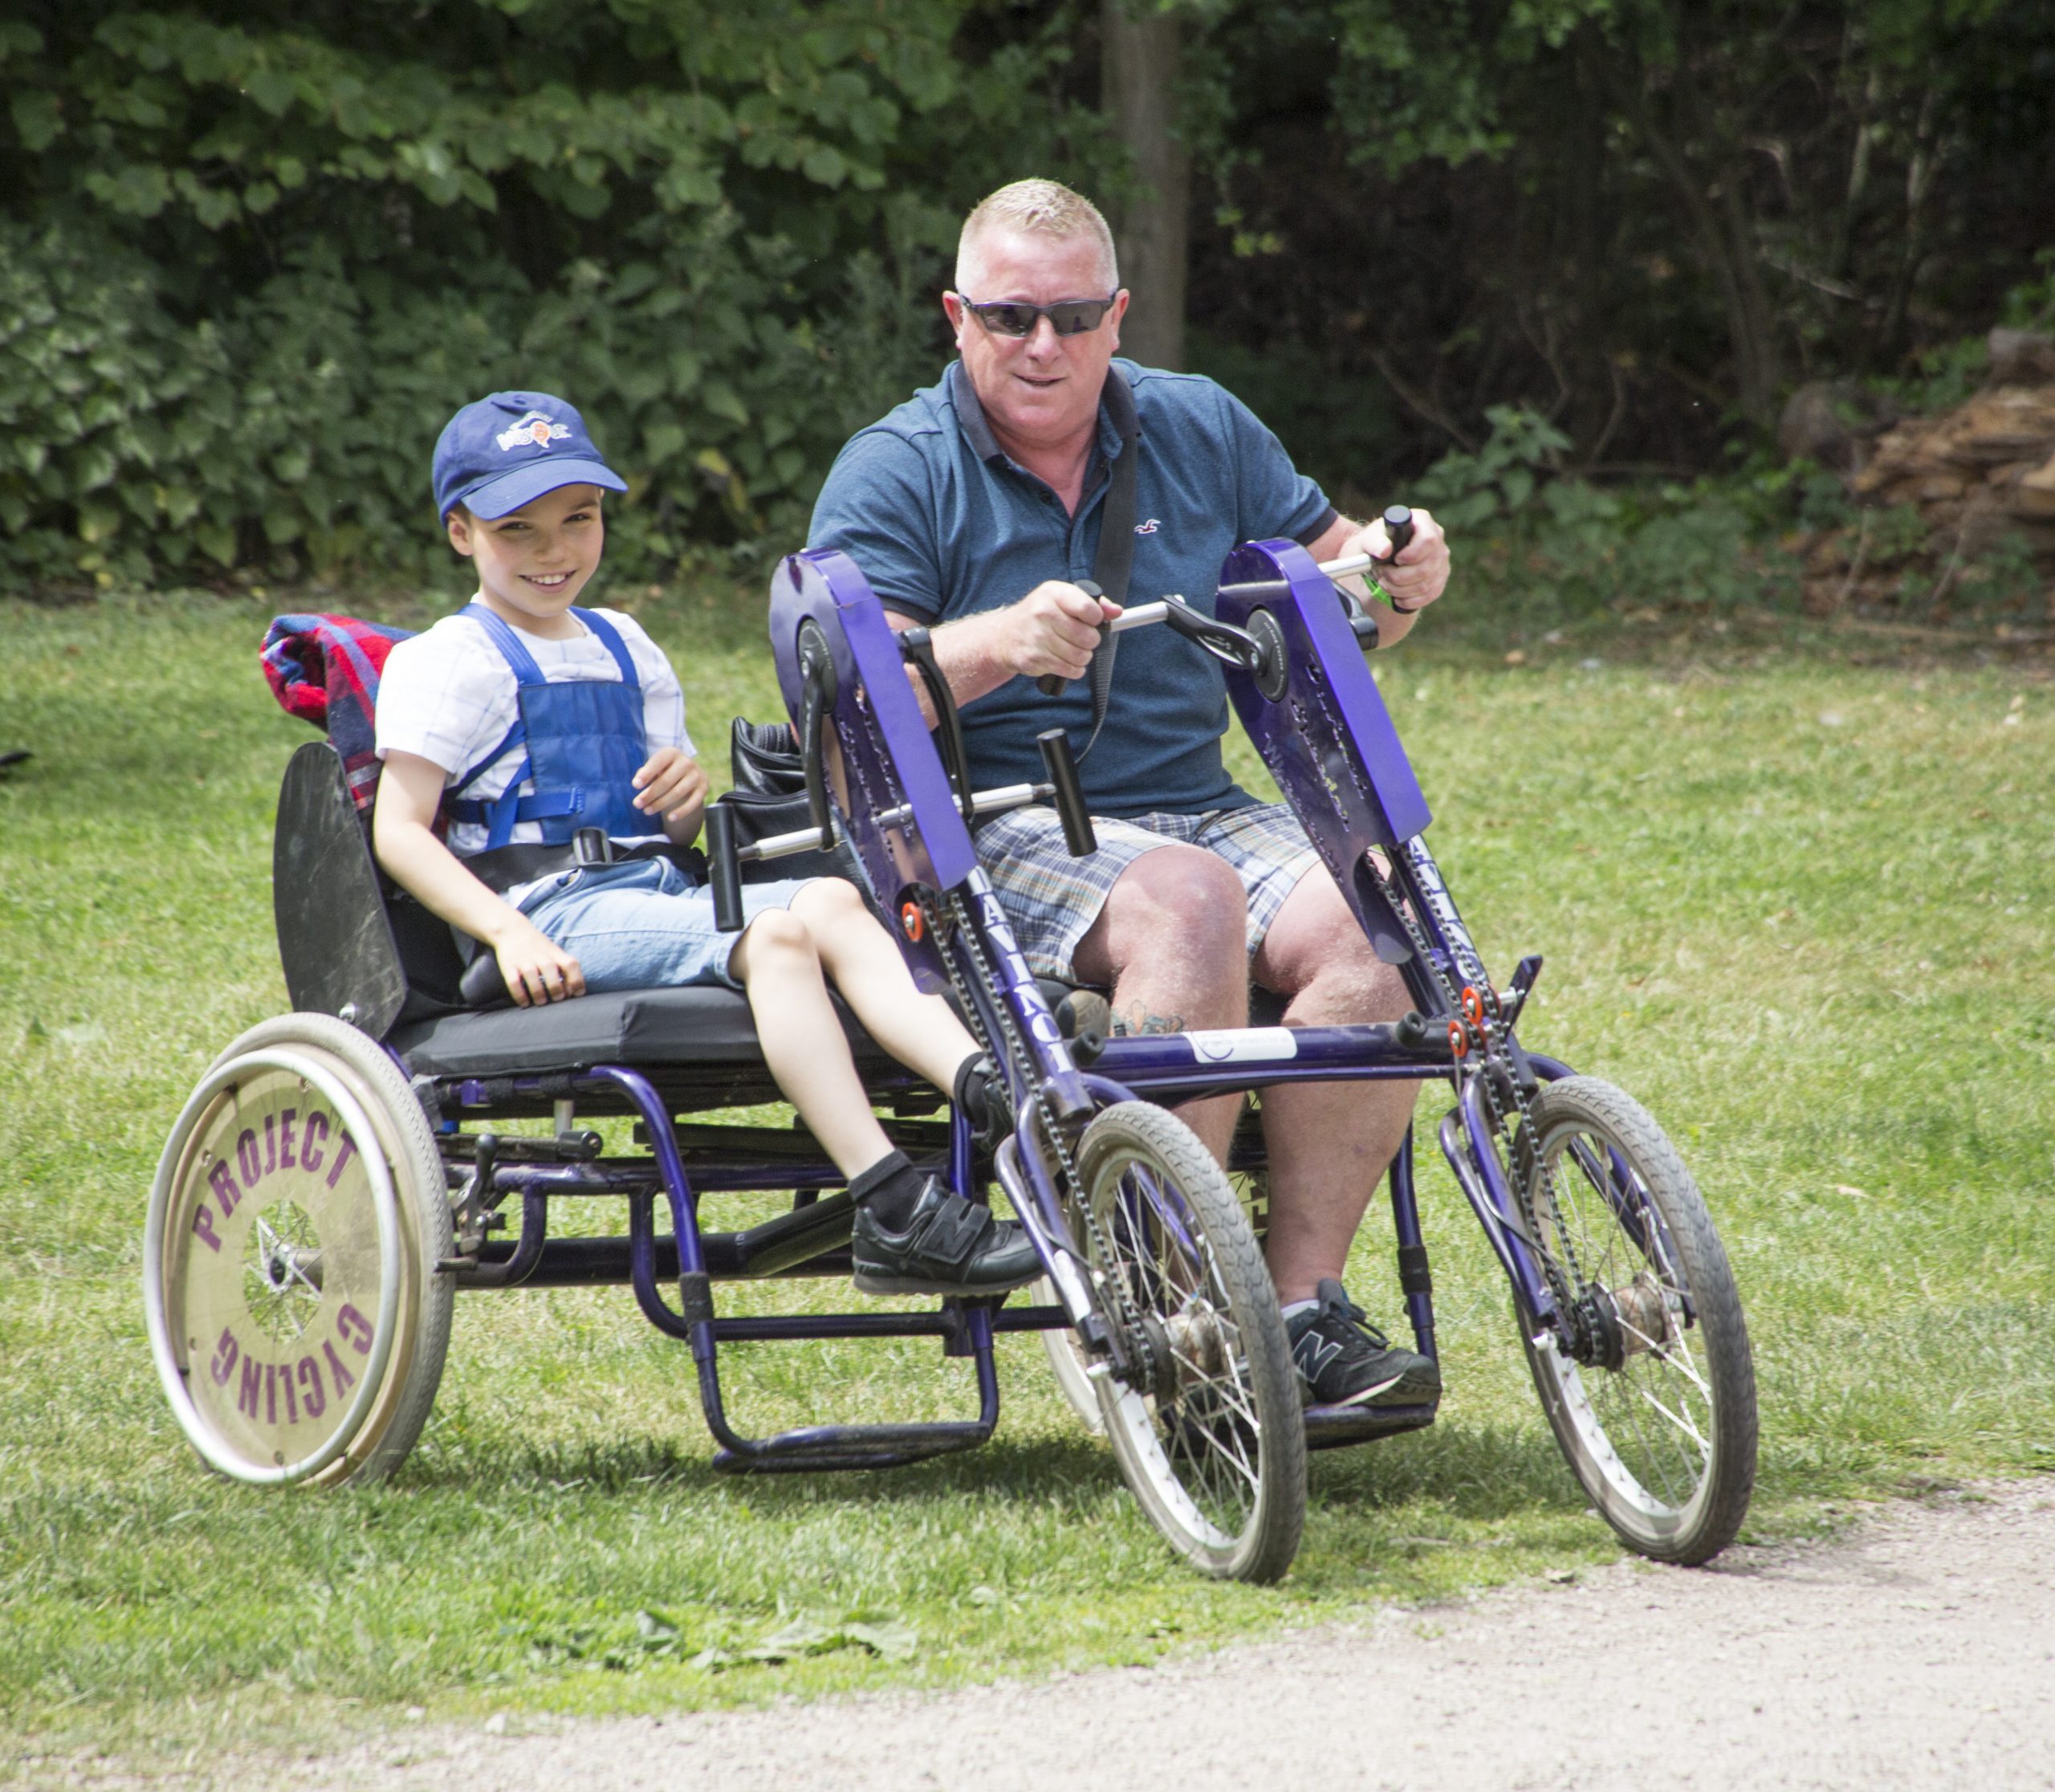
(1138, 1019)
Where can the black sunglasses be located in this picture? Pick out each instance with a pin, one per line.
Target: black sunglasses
(1009, 317)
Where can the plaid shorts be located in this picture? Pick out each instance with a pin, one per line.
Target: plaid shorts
(1051, 899)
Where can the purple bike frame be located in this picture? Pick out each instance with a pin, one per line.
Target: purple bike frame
(906, 824)
(1318, 720)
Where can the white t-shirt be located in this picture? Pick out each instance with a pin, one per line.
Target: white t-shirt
(449, 696)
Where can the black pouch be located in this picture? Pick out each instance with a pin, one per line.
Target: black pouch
(769, 798)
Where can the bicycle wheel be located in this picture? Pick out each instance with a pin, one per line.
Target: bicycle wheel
(295, 1311)
(1068, 1360)
(1657, 1415)
(1208, 1432)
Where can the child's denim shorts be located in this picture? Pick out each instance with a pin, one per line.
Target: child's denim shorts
(642, 924)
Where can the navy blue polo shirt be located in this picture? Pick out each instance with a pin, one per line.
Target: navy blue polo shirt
(943, 524)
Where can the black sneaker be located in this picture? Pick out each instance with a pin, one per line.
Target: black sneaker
(1343, 1360)
(950, 1246)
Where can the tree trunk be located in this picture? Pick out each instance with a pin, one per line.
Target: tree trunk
(1139, 91)
(1718, 217)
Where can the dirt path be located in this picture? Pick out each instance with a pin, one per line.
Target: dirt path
(1919, 1652)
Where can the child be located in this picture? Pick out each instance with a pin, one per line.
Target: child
(553, 739)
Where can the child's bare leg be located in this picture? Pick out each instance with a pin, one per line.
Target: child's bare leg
(912, 1235)
(922, 1032)
(778, 966)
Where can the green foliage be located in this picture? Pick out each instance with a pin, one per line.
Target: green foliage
(2030, 304)
(1941, 377)
(1439, 72)
(250, 268)
(2001, 581)
(1501, 479)
(1647, 218)
(1579, 549)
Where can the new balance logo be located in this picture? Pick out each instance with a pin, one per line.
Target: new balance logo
(1315, 1353)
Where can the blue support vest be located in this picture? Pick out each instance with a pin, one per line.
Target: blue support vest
(585, 742)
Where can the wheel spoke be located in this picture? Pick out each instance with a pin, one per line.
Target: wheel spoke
(1226, 1487)
(1679, 1421)
(1665, 1442)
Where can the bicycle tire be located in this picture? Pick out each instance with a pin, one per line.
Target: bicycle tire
(1663, 1439)
(1215, 1449)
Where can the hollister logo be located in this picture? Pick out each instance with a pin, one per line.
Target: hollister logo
(1150, 527)
(535, 431)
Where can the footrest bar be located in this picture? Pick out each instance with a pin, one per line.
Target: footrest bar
(825, 1446)
(1333, 1427)
(758, 1329)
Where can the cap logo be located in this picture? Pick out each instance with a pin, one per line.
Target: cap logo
(534, 431)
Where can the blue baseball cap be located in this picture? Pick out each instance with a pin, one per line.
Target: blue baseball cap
(507, 450)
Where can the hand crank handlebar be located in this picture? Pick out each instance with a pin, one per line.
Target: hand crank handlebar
(1398, 525)
(1221, 641)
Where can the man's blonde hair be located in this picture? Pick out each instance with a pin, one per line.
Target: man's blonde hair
(1036, 208)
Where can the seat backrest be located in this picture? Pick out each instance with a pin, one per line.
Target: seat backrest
(350, 945)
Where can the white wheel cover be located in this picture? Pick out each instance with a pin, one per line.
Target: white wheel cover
(272, 1267)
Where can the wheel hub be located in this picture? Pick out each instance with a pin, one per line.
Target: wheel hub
(1609, 1324)
(1642, 1315)
(1598, 1342)
(283, 1272)
(1157, 1362)
(1194, 1333)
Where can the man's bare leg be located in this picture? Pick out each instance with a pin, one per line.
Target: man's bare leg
(1170, 941)
(1327, 1142)
(1172, 944)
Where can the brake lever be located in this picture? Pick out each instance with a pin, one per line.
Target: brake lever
(1398, 527)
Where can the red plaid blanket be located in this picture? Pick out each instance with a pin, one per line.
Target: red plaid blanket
(325, 670)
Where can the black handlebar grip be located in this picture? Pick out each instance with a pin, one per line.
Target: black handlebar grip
(1050, 684)
(482, 986)
(1398, 526)
(1077, 830)
(723, 869)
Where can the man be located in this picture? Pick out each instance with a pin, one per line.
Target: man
(975, 507)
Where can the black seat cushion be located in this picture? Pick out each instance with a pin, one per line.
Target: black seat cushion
(701, 1025)
(704, 1031)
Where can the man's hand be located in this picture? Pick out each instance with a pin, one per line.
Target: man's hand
(536, 968)
(1420, 573)
(1053, 629)
(670, 784)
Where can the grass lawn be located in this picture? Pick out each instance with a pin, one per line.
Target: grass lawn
(1801, 906)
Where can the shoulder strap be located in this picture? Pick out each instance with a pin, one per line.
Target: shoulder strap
(1114, 562)
(609, 638)
(526, 671)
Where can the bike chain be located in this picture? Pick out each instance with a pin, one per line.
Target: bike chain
(1495, 1059)
(1129, 1318)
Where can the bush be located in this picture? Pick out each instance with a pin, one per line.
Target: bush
(249, 270)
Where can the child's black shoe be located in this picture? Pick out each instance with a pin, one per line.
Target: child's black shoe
(948, 1245)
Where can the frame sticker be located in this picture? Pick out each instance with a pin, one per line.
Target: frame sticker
(1231, 1045)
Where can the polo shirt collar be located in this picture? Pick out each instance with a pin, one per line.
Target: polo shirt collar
(1117, 422)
